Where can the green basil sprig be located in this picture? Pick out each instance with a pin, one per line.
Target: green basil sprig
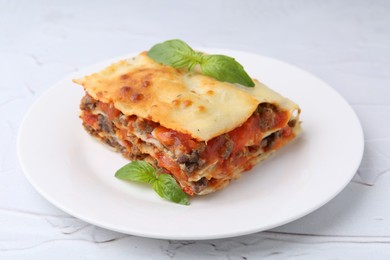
(163, 184)
(178, 54)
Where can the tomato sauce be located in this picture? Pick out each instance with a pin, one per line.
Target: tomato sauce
(173, 168)
(174, 139)
(248, 133)
(109, 110)
(213, 148)
(167, 163)
(89, 119)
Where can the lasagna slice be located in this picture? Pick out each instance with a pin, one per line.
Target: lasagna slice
(203, 132)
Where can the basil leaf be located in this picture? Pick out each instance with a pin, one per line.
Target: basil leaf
(167, 188)
(174, 53)
(139, 171)
(178, 54)
(163, 184)
(224, 68)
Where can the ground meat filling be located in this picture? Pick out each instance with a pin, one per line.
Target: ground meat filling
(267, 113)
(268, 141)
(104, 125)
(201, 184)
(143, 126)
(88, 103)
(190, 162)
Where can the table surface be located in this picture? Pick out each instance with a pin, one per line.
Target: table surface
(345, 43)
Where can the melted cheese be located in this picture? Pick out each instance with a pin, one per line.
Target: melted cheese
(187, 102)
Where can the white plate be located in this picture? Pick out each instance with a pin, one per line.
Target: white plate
(76, 173)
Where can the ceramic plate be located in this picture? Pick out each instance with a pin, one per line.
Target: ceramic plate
(76, 173)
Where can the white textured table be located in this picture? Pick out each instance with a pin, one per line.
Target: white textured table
(346, 43)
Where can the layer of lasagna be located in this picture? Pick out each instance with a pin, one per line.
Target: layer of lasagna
(202, 131)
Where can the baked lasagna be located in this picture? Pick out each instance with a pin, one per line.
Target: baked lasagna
(202, 131)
